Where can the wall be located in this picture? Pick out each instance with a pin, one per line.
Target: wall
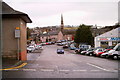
(60, 36)
(107, 37)
(23, 40)
(9, 41)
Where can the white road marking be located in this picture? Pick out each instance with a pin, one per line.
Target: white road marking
(64, 70)
(98, 67)
(114, 70)
(29, 69)
(94, 70)
(79, 70)
(46, 70)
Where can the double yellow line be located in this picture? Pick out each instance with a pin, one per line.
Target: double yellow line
(22, 65)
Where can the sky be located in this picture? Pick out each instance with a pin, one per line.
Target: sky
(45, 13)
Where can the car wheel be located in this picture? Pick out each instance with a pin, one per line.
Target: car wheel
(115, 57)
(106, 56)
(90, 54)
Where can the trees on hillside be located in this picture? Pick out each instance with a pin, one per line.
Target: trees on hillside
(84, 35)
(29, 32)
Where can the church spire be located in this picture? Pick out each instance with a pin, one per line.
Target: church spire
(62, 24)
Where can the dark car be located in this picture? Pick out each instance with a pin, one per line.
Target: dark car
(79, 50)
(60, 51)
(59, 44)
(90, 51)
(65, 46)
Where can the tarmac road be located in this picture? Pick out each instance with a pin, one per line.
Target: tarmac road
(49, 64)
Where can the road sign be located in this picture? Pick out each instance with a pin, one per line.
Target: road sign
(17, 33)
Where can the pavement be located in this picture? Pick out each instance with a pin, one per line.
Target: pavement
(9, 63)
(14, 63)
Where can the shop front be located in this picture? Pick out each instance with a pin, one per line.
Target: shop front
(110, 38)
(105, 42)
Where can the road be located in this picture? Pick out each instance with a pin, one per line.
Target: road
(49, 64)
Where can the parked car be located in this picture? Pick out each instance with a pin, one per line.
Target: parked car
(82, 48)
(105, 55)
(59, 44)
(65, 46)
(30, 49)
(110, 47)
(98, 51)
(38, 47)
(60, 51)
(90, 51)
(72, 46)
(79, 50)
(58, 41)
(83, 52)
(43, 43)
(85, 46)
(115, 53)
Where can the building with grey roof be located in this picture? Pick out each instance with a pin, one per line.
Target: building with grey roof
(14, 32)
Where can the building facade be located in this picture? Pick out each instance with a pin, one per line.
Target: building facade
(110, 38)
(14, 33)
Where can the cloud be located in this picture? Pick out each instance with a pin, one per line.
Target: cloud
(74, 13)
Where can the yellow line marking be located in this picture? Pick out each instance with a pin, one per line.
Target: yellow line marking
(15, 67)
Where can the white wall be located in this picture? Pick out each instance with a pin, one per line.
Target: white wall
(112, 33)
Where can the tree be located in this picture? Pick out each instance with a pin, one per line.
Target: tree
(29, 32)
(83, 35)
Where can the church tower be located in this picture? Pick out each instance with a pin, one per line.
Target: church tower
(62, 24)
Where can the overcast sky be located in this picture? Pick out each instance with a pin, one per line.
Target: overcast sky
(75, 12)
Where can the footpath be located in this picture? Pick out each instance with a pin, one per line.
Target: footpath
(9, 63)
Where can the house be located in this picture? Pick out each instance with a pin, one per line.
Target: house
(14, 33)
(58, 34)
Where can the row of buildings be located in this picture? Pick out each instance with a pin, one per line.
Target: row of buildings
(55, 33)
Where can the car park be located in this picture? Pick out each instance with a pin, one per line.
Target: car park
(60, 51)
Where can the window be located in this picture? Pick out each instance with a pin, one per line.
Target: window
(104, 43)
(118, 49)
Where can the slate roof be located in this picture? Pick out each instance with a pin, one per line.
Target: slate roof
(53, 32)
(7, 11)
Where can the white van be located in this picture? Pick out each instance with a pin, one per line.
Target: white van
(115, 53)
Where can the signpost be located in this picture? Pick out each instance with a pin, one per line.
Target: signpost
(17, 35)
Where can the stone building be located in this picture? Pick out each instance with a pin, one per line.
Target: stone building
(14, 32)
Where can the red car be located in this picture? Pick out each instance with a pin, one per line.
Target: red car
(106, 50)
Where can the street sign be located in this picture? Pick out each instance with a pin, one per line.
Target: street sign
(17, 33)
